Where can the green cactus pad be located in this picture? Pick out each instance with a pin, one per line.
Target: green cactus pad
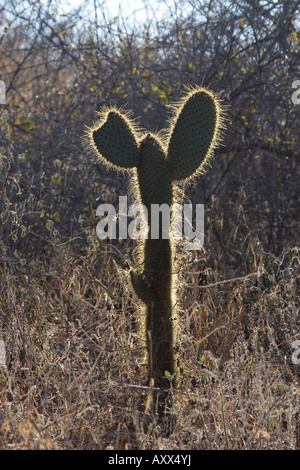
(153, 174)
(193, 134)
(115, 141)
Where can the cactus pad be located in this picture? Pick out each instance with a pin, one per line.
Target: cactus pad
(153, 174)
(115, 141)
(193, 135)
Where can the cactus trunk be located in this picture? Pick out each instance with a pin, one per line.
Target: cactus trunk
(159, 312)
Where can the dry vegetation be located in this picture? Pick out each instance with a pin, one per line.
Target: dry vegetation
(74, 376)
(74, 365)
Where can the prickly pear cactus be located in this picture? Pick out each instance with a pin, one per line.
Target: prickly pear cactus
(158, 165)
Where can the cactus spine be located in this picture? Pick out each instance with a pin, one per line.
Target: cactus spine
(158, 164)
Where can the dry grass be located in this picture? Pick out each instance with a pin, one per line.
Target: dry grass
(74, 375)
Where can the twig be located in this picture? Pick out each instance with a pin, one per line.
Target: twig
(234, 279)
(224, 422)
